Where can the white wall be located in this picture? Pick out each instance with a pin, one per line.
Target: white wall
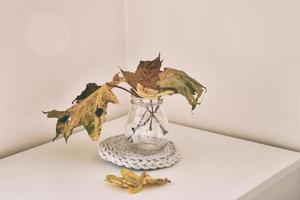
(49, 50)
(245, 52)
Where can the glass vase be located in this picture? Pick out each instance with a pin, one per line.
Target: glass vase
(146, 126)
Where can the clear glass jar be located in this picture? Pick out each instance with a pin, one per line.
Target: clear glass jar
(146, 126)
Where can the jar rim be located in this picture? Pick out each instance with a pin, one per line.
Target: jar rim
(146, 102)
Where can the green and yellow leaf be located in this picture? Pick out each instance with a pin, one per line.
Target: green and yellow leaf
(179, 82)
(148, 93)
(89, 89)
(89, 112)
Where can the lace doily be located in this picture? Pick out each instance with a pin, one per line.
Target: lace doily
(120, 151)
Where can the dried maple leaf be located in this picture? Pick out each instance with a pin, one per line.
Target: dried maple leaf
(147, 74)
(116, 79)
(92, 87)
(89, 89)
(133, 182)
(89, 112)
(180, 82)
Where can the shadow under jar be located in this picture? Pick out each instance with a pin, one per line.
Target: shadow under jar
(146, 126)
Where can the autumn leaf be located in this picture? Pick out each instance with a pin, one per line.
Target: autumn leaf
(180, 82)
(148, 93)
(148, 180)
(89, 89)
(147, 74)
(117, 79)
(89, 112)
(92, 87)
(130, 176)
(149, 82)
(133, 182)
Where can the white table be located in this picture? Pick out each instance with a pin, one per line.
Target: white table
(212, 167)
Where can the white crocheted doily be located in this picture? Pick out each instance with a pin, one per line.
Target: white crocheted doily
(119, 151)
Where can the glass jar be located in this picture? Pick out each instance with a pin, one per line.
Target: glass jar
(146, 126)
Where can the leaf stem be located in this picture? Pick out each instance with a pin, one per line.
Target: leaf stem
(160, 125)
(138, 126)
(150, 126)
(122, 88)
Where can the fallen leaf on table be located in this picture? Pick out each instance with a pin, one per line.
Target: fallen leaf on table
(180, 82)
(133, 182)
(130, 176)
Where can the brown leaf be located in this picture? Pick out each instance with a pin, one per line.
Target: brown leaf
(147, 74)
(117, 79)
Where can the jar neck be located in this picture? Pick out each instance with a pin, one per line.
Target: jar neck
(146, 102)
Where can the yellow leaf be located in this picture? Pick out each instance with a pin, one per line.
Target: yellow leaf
(89, 112)
(118, 181)
(133, 182)
(136, 189)
(148, 180)
(149, 93)
(130, 176)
